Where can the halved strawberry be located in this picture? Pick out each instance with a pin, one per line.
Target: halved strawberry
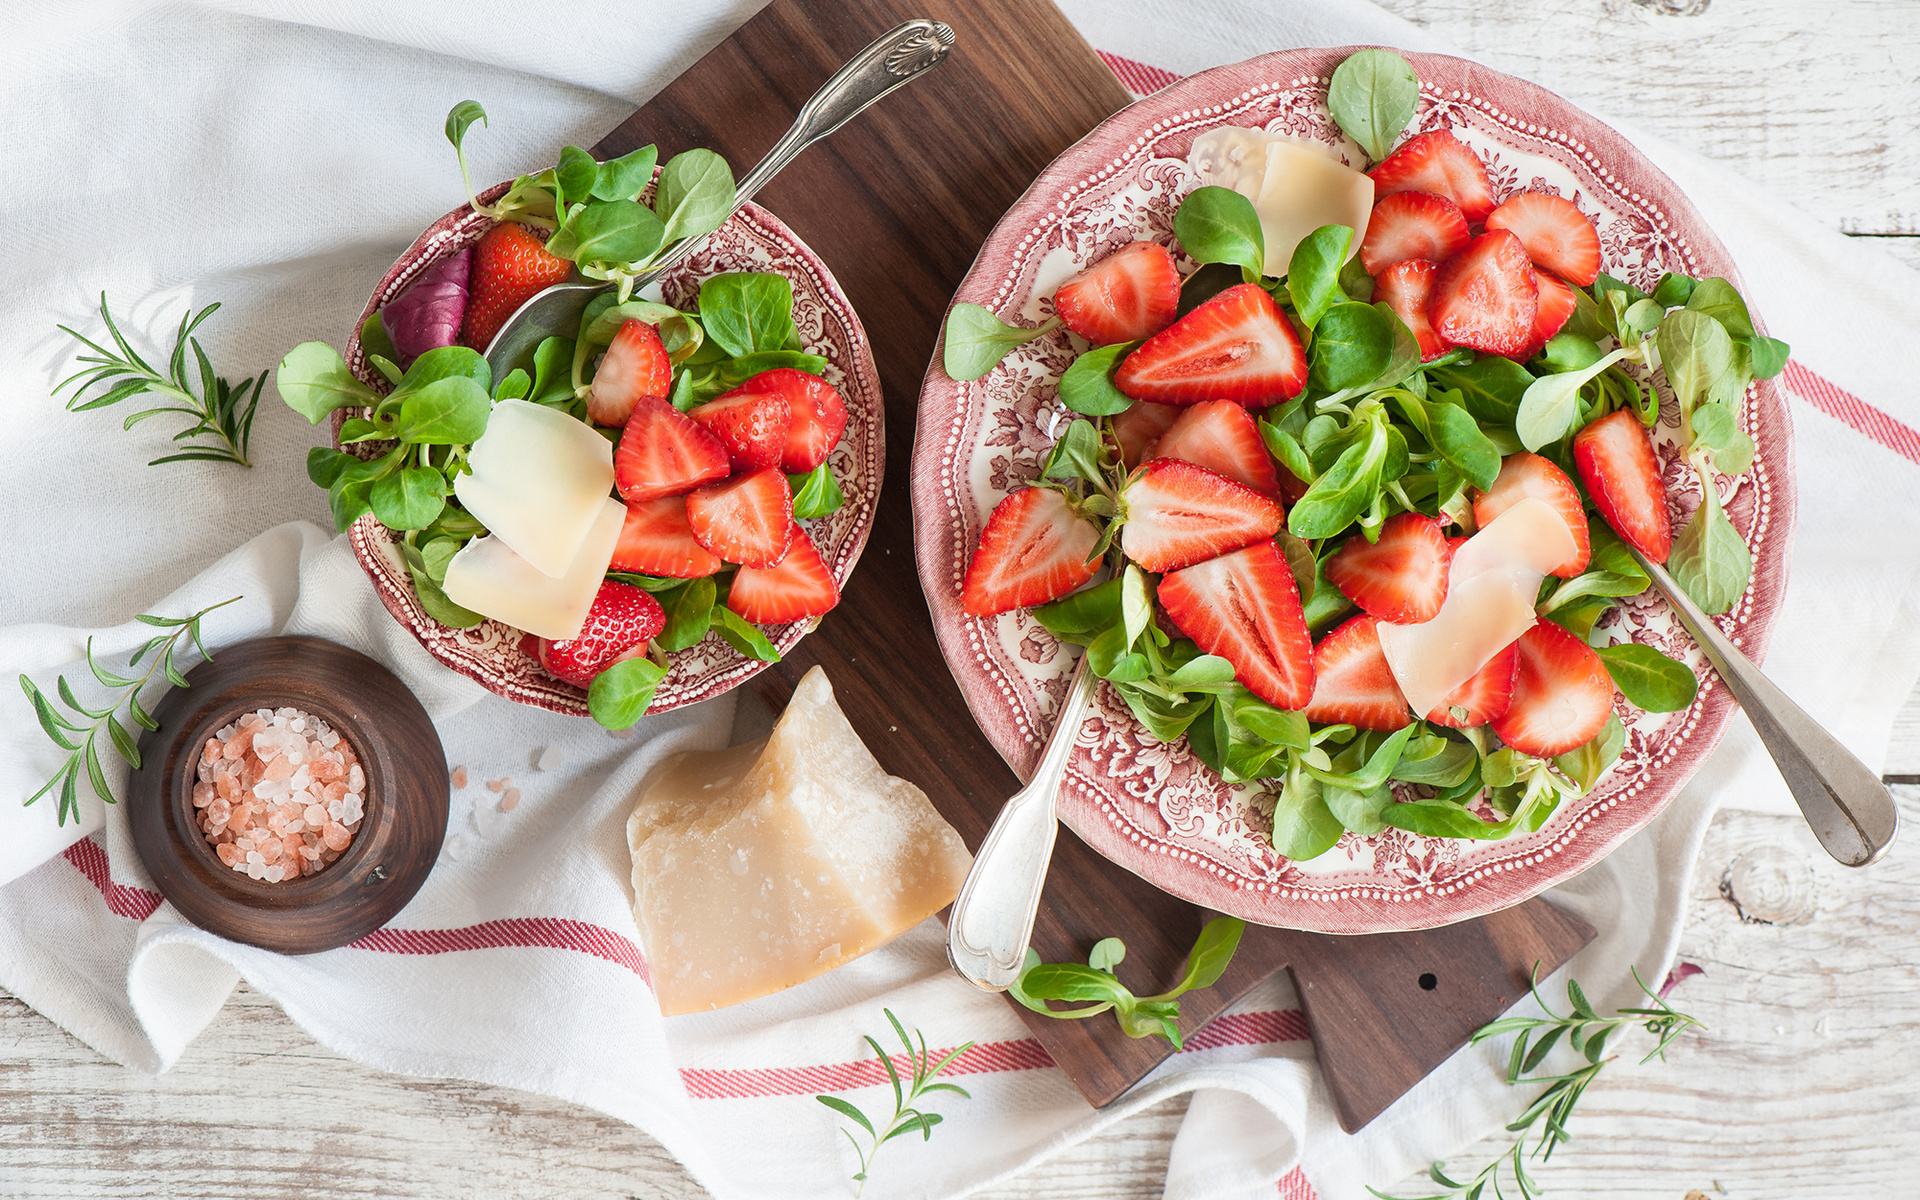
(1405, 287)
(1408, 225)
(1485, 296)
(1615, 459)
(1483, 697)
(663, 452)
(1033, 549)
(1523, 475)
(751, 423)
(634, 365)
(1139, 427)
(798, 586)
(1561, 694)
(746, 520)
(1440, 163)
(1556, 307)
(819, 416)
(510, 264)
(1353, 685)
(1128, 295)
(1223, 437)
(620, 623)
(657, 540)
(1236, 346)
(1557, 237)
(1178, 514)
(1402, 578)
(1245, 607)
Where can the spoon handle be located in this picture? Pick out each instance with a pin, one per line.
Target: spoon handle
(894, 59)
(1851, 812)
(992, 920)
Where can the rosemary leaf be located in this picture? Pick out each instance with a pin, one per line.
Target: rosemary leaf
(906, 1118)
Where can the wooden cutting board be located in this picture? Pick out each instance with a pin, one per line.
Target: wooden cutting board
(898, 202)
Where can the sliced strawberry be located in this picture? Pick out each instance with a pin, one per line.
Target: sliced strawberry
(620, 623)
(1235, 346)
(1402, 578)
(1126, 296)
(1222, 437)
(746, 520)
(1556, 307)
(1561, 694)
(1523, 475)
(752, 424)
(1439, 163)
(1405, 287)
(634, 365)
(663, 452)
(1245, 607)
(657, 540)
(1557, 237)
(1033, 550)
(798, 586)
(1615, 459)
(1408, 225)
(1139, 427)
(1353, 685)
(1484, 697)
(510, 265)
(1485, 296)
(1179, 514)
(818, 416)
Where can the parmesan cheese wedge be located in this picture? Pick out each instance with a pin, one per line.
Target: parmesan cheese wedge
(537, 483)
(1490, 591)
(488, 577)
(1296, 186)
(762, 866)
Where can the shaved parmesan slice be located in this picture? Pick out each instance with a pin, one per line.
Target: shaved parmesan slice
(763, 866)
(1490, 591)
(1302, 191)
(489, 578)
(537, 482)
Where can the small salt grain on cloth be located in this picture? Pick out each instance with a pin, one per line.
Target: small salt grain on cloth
(276, 158)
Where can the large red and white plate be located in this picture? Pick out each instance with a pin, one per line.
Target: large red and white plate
(753, 239)
(1152, 806)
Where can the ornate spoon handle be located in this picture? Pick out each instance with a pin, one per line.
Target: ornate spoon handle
(1851, 812)
(992, 919)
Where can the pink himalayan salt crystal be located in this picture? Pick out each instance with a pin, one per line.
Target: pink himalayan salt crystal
(510, 800)
(289, 832)
(458, 777)
(494, 785)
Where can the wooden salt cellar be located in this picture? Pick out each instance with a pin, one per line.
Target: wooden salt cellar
(405, 800)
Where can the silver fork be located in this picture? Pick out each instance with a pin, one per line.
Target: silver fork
(896, 58)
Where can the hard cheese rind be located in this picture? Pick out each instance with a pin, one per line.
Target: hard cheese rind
(1490, 591)
(489, 578)
(763, 866)
(537, 482)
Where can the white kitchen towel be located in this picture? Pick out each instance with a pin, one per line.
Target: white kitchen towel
(277, 157)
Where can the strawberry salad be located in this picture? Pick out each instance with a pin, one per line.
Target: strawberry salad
(623, 493)
(1346, 517)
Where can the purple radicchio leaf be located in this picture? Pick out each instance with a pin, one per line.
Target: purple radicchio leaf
(428, 315)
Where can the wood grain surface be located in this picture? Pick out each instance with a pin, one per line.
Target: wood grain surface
(1805, 1083)
(899, 229)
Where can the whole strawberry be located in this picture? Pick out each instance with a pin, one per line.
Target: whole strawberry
(621, 622)
(510, 264)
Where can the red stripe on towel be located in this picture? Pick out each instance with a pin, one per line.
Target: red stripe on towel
(135, 904)
(1139, 78)
(552, 933)
(1294, 1186)
(1853, 412)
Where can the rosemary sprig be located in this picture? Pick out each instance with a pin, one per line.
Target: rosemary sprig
(81, 740)
(1587, 1032)
(219, 411)
(906, 1118)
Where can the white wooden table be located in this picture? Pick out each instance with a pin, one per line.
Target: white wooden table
(1806, 1082)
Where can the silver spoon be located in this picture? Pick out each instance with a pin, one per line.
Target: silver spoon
(1851, 811)
(992, 920)
(897, 57)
